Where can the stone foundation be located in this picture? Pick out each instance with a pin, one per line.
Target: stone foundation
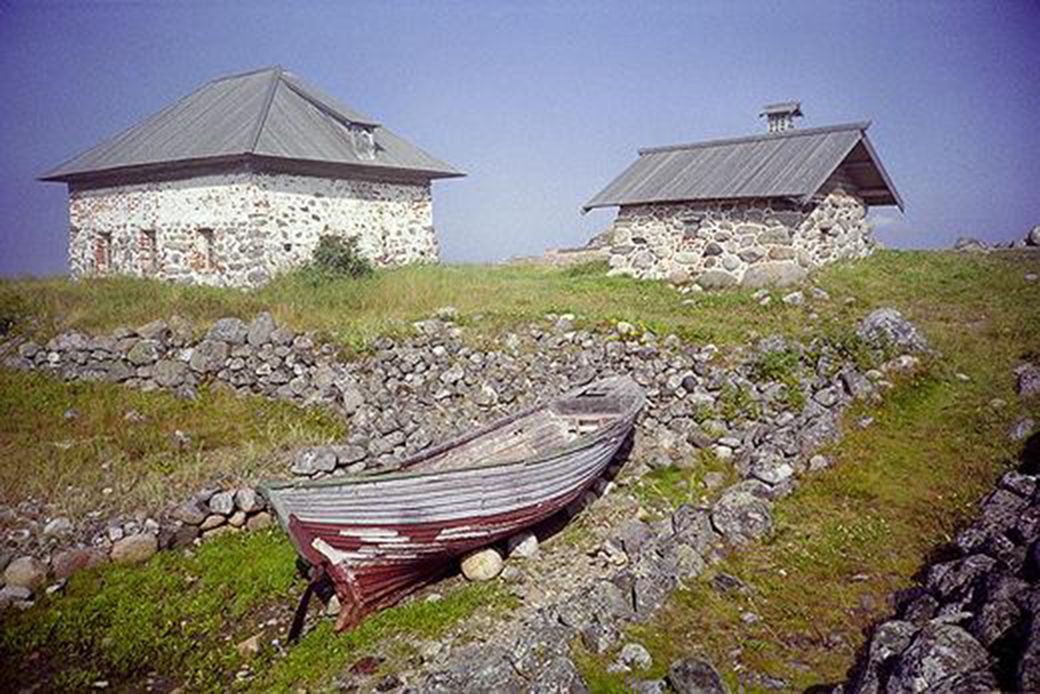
(754, 242)
(240, 229)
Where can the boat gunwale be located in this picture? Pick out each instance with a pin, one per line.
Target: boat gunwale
(623, 421)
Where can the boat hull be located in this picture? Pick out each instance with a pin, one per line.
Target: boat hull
(380, 538)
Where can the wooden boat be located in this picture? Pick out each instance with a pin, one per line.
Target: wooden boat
(378, 537)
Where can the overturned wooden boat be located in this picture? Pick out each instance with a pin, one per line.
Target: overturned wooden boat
(378, 537)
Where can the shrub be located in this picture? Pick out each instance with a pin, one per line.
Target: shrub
(336, 256)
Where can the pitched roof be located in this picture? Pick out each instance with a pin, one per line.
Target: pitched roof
(790, 164)
(268, 115)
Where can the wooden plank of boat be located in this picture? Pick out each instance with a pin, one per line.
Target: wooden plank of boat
(379, 537)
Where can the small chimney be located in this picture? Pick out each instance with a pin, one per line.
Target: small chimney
(780, 117)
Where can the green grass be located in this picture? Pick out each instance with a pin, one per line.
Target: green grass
(900, 488)
(74, 459)
(181, 616)
(352, 312)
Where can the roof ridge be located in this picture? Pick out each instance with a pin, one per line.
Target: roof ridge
(265, 109)
(794, 132)
(247, 73)
(298, 86)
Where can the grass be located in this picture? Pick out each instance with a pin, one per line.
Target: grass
(74, 459)
(352, 312)
(665, 489)
(181, 616)
(898, 490)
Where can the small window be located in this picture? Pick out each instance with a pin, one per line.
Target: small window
(287, 247)
(103, 252)
(149, 252)
(205, 255)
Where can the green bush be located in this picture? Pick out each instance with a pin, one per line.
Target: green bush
(336, 256)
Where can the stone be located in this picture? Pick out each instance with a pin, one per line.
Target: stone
(144, 352)
(716, 279)
(951, 579)
(237, 519)
(156, 330)
(26, 572)
(230, 330)
(1020, 429)
(1027, 380)
(209, 356)
(773, 274)
(211, 521)
(351, 400)
(259, 521)
(249, 647)
(712, 249)
(58, 526)
(247, 500)
(695, 676)
(967, 244)
(67, 562)
(794, 299)
(1033, 236)
(887, 328)
(523, 545)
(170, 373)
(260, 330)
(937, 660)
(222, 503)
(135, 549)
(634, 655)
(309, 461)
(190, 513)
(775, 235)
(482, 564)
(14, 595)
(741, 517)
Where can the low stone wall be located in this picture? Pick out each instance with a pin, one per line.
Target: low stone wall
(754, 242)
(240, 229)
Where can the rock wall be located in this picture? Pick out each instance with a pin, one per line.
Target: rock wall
(753, 242)
(240, 229)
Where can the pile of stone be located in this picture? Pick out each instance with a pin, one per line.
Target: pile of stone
(257, 357)
(209, 514)
(974, 625)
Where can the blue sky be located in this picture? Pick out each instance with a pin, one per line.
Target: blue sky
(542, 103)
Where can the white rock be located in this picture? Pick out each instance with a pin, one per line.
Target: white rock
(482, 564)
(633, 655)
(26, 572)
(58, 526)
(523, 545)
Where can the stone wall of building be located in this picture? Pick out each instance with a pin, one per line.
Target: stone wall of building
(240, 229)
(754, 242)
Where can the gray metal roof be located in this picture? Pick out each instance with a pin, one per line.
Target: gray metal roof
(790, 164)
(269, 115)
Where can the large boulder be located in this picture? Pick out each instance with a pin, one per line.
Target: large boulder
(887, 328)
(773, 274)
(968, 244)
(1027, 380)
(209, 356)
(261, 329)
(942, 657)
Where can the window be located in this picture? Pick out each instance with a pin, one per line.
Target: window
(149, 250)
(287, 247)
(103, 252)
(204, 256)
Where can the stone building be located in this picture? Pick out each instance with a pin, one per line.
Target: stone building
(754, 210)
(238, 181)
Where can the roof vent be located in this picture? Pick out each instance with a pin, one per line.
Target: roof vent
(780, 117)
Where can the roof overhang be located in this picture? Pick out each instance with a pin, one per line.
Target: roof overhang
(188, 168)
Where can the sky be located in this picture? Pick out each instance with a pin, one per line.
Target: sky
(543, 103)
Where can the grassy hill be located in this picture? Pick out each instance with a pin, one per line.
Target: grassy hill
(853, 533)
